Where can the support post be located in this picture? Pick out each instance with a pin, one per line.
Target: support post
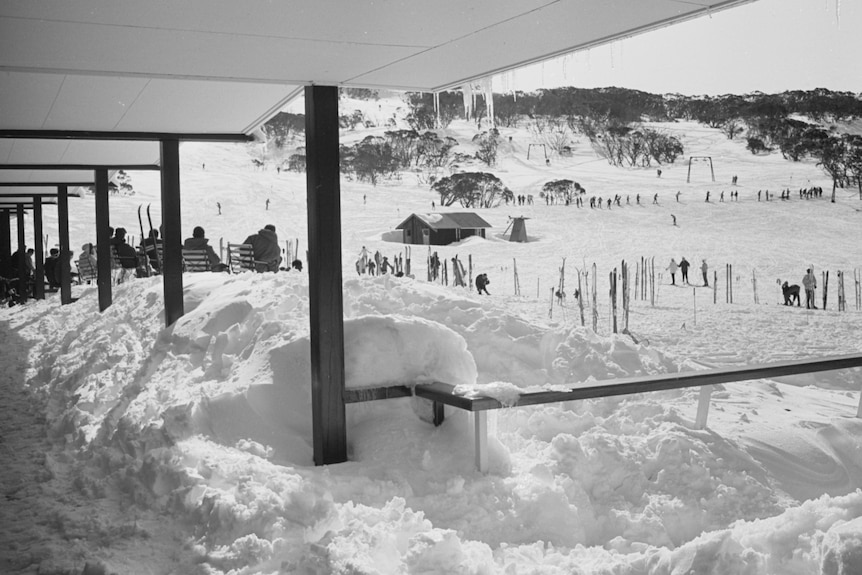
(39, 250)
(325, 295)
(172, 263)
(703, 407)
(439, 412)
(5, 235)
(65, 252)
(22, 257)
(480, 422)
(103, 241)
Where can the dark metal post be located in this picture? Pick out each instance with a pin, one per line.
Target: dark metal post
(22, 257)
(103, 240)
(324, 275)
(5, 235)
(65, 252)
(172, 266)
(39, 247)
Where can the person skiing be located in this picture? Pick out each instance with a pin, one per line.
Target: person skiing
(683, 267)
(809, 282)
(704, 269)
(672, 267)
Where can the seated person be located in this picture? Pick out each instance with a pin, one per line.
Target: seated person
(198, 241)
(267, 253)
(52, 268)
(126, 254)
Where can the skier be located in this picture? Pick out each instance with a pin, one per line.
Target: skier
(672, 267)
(683, 267)
(704, 269)
(809, 282)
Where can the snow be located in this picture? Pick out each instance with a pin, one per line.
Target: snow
(133, 448)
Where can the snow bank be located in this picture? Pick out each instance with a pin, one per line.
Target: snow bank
(208, 422)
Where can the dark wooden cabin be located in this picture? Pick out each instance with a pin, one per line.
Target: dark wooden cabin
(440, 229)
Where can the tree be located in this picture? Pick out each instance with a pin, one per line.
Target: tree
(487, 142)
(731, 128)
(471, 190)
(853, 155)
(369, 160)
(283, 128)
(561, 190)
(833, 161)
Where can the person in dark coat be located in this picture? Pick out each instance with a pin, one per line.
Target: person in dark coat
(199, 241)
(126, 254)
(482, 282)
(683, 266)
(51, 267)
(267, 253)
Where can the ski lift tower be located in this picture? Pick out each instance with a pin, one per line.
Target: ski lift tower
(519, 230)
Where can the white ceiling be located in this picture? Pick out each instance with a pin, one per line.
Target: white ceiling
(226, 66)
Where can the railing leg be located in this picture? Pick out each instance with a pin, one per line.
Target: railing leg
(703, 407)
(480, 419)
(439, 415)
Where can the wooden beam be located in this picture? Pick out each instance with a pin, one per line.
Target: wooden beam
(22, 257)
(5, 234)
(103, 241)
(65, 250)
(39, 247)
(80, 184)
(88, 167)
(43, 195)
(326, 315)
(443, 392)
(376, 393)
(124, 136)
(172, 265)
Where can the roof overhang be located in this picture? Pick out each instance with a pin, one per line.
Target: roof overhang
(205, 67)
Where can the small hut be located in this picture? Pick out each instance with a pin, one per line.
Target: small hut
(440, 229)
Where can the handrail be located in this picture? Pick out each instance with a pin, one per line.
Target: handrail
(443, 392)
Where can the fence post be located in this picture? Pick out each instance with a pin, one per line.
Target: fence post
(703, 407)
(480, 424)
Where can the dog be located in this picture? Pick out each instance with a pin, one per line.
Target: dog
(790, 293)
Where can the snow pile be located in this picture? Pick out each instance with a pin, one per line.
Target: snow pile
(208, 422)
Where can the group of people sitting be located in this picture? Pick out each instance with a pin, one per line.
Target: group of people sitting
(147, 258)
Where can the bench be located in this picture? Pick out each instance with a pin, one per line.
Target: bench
(86, 271)
(441, 394)
(196, 260)
(240, 258)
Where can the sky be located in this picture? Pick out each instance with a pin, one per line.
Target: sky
(133, 448)
(768, 46)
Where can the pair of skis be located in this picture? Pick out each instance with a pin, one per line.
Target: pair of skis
(152, 237)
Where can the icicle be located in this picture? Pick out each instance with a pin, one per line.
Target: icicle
(467, 95)
(437, 108)
(838, 12)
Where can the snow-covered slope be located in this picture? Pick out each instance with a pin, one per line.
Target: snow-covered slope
(188, 450)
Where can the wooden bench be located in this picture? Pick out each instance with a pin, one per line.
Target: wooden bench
(240, 258)
(442, 394)
(196, 260)
(86, 271)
